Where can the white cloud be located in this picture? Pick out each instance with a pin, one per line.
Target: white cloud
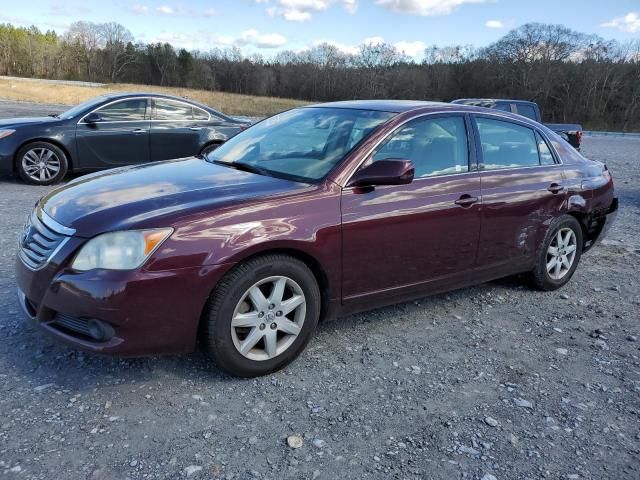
(630, 23)
(412, 49)
(425, 8)
(176, 39)
(166, 10)
(266, 40)
(494, 24)
(210, 12)
(303, 10)
(138, 8)
(204, 40)
(373, 41)
(350, 6)
(342, 47)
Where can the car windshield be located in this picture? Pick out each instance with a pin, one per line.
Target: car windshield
(302, 144)
(82, 108)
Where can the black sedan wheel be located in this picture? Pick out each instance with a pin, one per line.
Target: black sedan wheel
(261, 315)
(41, 163)
(209, 148)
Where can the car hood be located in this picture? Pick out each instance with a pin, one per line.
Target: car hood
(154, 195)
(21, 122)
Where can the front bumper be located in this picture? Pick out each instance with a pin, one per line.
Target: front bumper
(149, 312)
(6, 165)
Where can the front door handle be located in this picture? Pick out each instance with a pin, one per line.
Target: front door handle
(138, 131)
(555, 188)
(466, 200)
(195, 129)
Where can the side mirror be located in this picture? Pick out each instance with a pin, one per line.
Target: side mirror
(93, 117)
(384, 172)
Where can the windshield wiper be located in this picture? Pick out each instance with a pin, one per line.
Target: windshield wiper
(245, 167)
(54, 115)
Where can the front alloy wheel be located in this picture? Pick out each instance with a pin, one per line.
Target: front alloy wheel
(268, 318)
(261, 315)
(41, 163)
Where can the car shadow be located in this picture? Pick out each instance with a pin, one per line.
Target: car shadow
(48, 363)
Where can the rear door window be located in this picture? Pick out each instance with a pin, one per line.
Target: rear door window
(172, 110)
(506, 144)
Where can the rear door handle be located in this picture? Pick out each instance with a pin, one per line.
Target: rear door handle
(466, 200)
(555, 188)
(138, 131)
(195, 129)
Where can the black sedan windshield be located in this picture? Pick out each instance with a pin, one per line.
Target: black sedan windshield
(84, 107)
(302, 144)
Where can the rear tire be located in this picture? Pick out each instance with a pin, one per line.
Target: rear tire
(249, 325)
(41, 163)
(559, 254)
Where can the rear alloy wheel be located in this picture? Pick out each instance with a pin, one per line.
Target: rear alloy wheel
(261, 315)
(41, 163)
(560, 253)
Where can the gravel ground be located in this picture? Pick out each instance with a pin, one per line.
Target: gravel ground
(12, 109)
(496, 381)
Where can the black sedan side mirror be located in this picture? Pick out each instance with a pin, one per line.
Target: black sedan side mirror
(93, 117)
(384, 172)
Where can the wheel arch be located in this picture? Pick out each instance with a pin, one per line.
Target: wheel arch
(216, 141)
(310, 261)
(65, 150)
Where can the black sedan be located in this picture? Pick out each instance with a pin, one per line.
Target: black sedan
(110, 131)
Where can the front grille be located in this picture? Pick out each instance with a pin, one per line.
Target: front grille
(73, 324)
(88, 328)
(41, 239)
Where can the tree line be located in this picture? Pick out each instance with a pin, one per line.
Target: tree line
(575, 77)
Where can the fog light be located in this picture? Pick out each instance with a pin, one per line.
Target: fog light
(100, 331)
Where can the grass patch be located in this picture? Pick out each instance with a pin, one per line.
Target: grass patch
(230, 103)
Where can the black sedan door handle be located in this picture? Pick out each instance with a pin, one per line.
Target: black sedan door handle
(466, 200)
(138, 131)
(195, 128)
(555, 188)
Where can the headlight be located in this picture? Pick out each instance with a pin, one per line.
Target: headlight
(5, 132)
(125, 250)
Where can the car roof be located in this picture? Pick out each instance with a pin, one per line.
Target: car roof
(491, 100)
(394, 106)
(403, 106)
(124, 95)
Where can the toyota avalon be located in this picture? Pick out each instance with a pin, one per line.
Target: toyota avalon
(318, 211)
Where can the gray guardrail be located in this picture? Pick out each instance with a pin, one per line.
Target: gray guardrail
(588, 133)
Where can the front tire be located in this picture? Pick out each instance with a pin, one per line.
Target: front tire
(559, 255)
(261, 315)
(41, 163)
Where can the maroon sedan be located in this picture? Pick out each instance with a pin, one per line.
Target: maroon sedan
(318, 211)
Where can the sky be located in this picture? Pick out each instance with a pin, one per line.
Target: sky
(270, 26)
